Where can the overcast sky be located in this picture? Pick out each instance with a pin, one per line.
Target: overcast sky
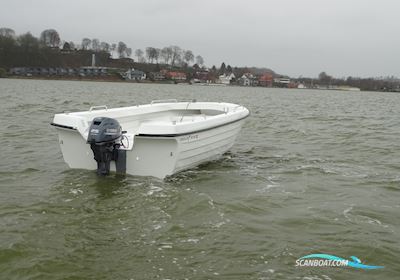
(293, 37)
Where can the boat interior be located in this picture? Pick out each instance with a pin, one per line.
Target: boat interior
(131, 118)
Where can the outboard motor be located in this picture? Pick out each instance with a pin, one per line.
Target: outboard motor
(105, 141)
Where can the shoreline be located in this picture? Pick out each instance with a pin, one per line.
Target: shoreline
(77, 79)
(169, 82)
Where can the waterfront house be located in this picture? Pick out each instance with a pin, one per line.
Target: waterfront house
(134, 75)
(202, 77)
(176, 76)
(157, 76)
(266, 80)
(248, 79)
(282, 82)
(226, 79)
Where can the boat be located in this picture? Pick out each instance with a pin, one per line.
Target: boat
(157, 139)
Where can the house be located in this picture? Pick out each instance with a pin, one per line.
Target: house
(226, 78)
(176, 76)
(266, 80)
(203, 76)
(282, 82)
(248, 79)
(133, 74)
(157, 76)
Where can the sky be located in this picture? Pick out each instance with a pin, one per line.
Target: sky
(359, 38)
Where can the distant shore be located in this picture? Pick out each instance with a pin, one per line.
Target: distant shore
(85, 79)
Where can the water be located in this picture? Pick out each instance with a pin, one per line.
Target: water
(312, 172)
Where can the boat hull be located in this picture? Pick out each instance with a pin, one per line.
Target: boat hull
(156, 155)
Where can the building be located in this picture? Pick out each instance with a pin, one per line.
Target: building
(135, 75)
(248, 79)
(157, 76)
(281, 82)
(203, 77)
(266, 80)
(226, 79)
(176, 76)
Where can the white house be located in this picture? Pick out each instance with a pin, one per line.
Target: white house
(133, 74)
(226, 79)
(247, 79)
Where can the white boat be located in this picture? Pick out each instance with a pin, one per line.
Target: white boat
(157, 139)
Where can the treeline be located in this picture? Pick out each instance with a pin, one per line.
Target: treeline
(366, 84)
(49, 50)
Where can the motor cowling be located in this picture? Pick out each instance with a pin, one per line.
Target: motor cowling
(105, 141)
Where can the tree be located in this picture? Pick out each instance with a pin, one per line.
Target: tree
(199, 60)
(28, 43)
(229, 69)
(96, 45)
(121, 49)
(113, 47)
(66, 46)
(149, 54)
(188, 56)
(176, 55)
(166, 54)
(7, 32)
(105, 47)
(222, 69)
(128, 52)
(72, 45)
(3, 73)
(139, 54)
(152, 54)
(157, 53)
(86, 43)
(50, 38)
(324, 78)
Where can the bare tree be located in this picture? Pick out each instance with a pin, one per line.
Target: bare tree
(128, 52)
(188, 56)
(176, 55)
(152, 53)
(139, 54)
(157, 53)
(105, 47)
(199, 60)
(96, 45)
(166, 54)
(7, 32)
(121, 49)
(50, 38)
(86, 43)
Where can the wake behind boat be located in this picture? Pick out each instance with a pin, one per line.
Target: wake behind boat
(157, 139)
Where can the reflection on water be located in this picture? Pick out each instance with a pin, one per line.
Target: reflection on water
(311, 172)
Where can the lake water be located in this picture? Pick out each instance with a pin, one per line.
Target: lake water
(311, 172)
